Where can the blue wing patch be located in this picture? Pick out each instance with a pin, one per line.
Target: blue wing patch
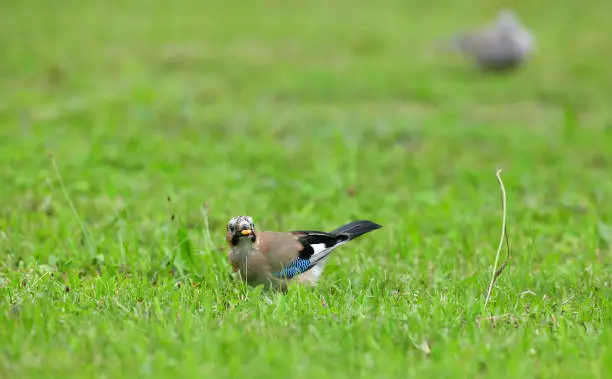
(295, 268)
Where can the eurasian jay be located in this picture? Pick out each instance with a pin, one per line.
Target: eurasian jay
(273, 259)
(499, 46)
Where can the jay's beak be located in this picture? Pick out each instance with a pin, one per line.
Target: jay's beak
(243, 231)
(246, 231)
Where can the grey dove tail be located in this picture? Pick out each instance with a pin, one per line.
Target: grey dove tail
(356, 228)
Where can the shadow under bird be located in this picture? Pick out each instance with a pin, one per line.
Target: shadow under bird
(502, 45)
(274, 259)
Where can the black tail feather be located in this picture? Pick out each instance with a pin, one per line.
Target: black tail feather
(355, 229)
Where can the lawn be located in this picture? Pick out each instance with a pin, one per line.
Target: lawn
(130, 133)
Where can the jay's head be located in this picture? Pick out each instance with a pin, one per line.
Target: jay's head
(508, 20)
(240, 228)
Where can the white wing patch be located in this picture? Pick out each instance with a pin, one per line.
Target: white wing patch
(321, 252)
(318, 248)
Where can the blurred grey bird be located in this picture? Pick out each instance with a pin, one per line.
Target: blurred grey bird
(501, 45)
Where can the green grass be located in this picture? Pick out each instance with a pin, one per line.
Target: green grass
(304, 115)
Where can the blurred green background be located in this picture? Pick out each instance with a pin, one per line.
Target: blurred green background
(303, 115)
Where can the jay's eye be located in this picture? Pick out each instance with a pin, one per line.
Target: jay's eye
(231, 228)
